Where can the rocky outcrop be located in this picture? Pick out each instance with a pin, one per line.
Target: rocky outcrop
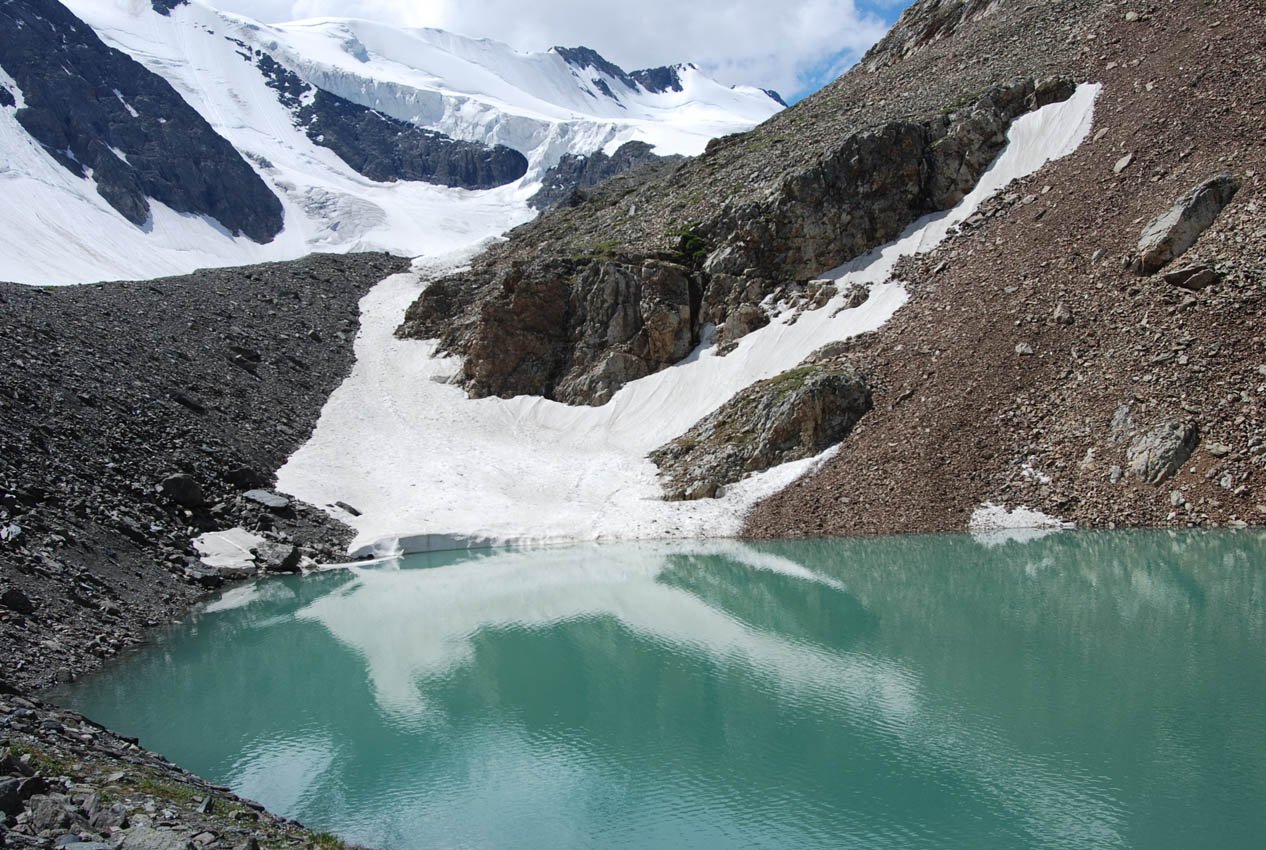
(386, 149)
(564, 183)
(558, 318)
(103, 116)
(795, 415)
(582, 328)
(1172, 234)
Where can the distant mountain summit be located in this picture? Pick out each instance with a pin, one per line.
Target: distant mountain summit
(148, 138)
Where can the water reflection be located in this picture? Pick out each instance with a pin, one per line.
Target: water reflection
(1076, 690)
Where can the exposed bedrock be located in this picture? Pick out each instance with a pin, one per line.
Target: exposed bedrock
(577, 328)
(564, 184)
(791, 416)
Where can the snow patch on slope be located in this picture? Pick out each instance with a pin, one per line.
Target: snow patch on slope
(430, 468)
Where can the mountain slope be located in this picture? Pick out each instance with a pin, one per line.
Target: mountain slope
(642, 285)
(321, 134)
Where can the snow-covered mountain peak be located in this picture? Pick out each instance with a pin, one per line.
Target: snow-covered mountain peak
(348, 123)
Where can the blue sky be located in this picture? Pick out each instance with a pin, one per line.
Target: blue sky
(794, 46)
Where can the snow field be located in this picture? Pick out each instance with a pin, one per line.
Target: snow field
(431, 469)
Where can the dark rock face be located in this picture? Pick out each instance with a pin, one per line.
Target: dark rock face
(574, 174)
(585, 316)
(386, 149)
(795, 415)
(583, 58)
(96, 110)
(164, 7)
(658, 80)
(775, 97)
(6, 97)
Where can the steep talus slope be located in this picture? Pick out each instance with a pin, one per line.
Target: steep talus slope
(586, 299)
(110, 390)
(105, 118)
(1032, 365)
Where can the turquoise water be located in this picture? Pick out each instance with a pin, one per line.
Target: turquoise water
(1083, 690)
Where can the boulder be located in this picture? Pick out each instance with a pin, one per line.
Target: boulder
(1158, 455)
(795, 415)
(148, 838)
(17, 601)
(1173, 233)
(184, 490)
(278, 557)
(10, 803)
(268, 499)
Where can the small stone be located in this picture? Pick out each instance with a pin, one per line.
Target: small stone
(1194, 278)
(1218, 449)
(345, 506)
(1123, 163)
(1177, 499)
(1063, 315)
(1131, 17)
(1024, 349)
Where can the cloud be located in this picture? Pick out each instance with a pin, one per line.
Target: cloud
(787, 45)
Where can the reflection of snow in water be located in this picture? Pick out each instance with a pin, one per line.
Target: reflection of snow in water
(413, 625)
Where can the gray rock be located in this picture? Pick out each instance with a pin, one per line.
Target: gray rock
(792, 416)
(1194, 278)
(1024, 349)
(1159, 454)
(1173, 233)
(115, 817)
(345, 506)
(148, 838)
(278, 557)
(1062, 315)
(268, 499)
(184, 490)
(49, 812)
(16, 600)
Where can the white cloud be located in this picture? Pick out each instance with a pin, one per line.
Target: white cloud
(783, 45)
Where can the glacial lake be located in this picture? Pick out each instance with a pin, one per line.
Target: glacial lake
(1079, 690)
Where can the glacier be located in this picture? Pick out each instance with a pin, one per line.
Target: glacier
(60, 231)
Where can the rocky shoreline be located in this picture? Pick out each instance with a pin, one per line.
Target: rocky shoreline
(135, 417)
